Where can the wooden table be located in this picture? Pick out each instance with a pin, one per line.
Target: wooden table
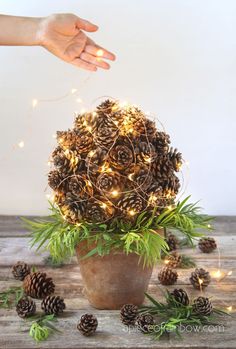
(111, 333)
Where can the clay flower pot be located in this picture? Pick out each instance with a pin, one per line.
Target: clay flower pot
(113, 280)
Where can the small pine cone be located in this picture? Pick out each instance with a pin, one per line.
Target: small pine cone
(167, 276)
(145, 323)
(173, 260)
(121, 156)
(128, 314)
(66, 139)
(105, 135)
(200, 278)
(96, 159)
(202, 306)
(20, 270)
(175, 158)
(37, 285)
(25, 307)
(130, 204)
(84, 141)
(55, 180)
(109, 182)
(180, 296)
(207, 244)
(53, 305)
(141, 177)
(73, 208)
(145, 152)
(76, 185)
(88, 324)
(62, 163)
(161, 142)
(172, 242)
(85, 120)
(95, 213)
(107, 107)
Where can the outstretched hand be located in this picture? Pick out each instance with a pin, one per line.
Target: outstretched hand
(63, 35)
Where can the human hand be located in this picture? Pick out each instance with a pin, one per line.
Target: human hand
(63, 35)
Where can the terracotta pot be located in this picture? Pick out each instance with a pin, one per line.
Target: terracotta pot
(113, 280)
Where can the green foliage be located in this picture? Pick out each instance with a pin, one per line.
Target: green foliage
(141, 236)
(41, 327)
(187, 262)
(172, 314)
(10, 297)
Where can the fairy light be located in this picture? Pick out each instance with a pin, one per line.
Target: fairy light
(147, 159)
(229, 273)
(73, 90)
(21, 144)
(94, 114)
(54, 136)
(152, 199)
(186, 163)
(132, 212)
(217, 274)
(166, 261)
(169, 207)
(83, 110)
(49, 163)
(79, 100)
(230, 308)
(130, 176)
(123, 104)
(34, 102)
(89, 128)
(99, 53)
(103, 205)
(115, 193)
(208, 226)
(91, 153)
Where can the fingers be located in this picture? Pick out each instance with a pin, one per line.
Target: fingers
(84, 65)
(94, 60)
(86, 25)
(96, 50)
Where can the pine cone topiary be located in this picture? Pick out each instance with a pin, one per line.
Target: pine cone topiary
(20, 270)
(25, 307)
(128, 314)
(173, 260)
(88, 324)
(200, 278)
(172, 242)
(167, 276)
(180, 296)
(38, 285)
(207, 244)
(53, 305)
(145, 323)
(202, 306)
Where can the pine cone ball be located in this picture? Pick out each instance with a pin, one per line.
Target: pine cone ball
(128, 314)
(25, 307)
(38, 285)
(145, 323)
(172, 242)
(53, 305)
(200, 278)
(20, 270)
(87, 325)
(202, 306)
(207, 244)
(180, 296)
(167, 276)
(173, 260)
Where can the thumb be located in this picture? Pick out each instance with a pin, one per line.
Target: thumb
(86, 25)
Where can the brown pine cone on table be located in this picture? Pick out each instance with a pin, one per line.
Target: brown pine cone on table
(207, 244)
(145, 323)
(180, 296)
(38, 285)
(167, 276)
(200, 278)
(25, 307)
(128, 314)
(173, 260)
(20, 270)
(53, 305)
(87, 325)
(202, 306)
(172, 242)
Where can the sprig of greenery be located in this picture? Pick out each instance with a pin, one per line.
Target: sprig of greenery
(41, 327)
(141, 236)
(10, 297)
(172, 314)
(187, 262)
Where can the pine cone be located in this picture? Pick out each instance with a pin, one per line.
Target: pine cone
(84, 141)
(145, 323)
(88, 324)
(162, 141)
(109, 182)
(62, 163)
(180, 296)
(107, 107)
(130, 204)
(207, 244)
(145, 152)
(172, 242)
(66, 139)
(37, 285)
(88, 120)
(20, 270)
(141, 177)
(77, 186)
(202, 306)
(121, 156)
(128, 314)
(173, 260)
(55, 179)
(175, 158)
(95, 160)
(167, 276)
(53, 305)
(95, 213)
(106, 135)
(200, 278)
(25, 307)
(73, 208)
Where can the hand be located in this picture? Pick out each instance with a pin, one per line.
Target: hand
(63, 35)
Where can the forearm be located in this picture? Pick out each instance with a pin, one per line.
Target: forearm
(19, 31)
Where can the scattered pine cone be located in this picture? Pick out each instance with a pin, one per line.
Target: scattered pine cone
(145, 323)
(38, 285)
(167, 276)
(207, 244)
(88, 324)
(53, 305)
(20, 270)
(25, 307)
(128, 314)
(200, 278)
(172, 242)
(173, 260)
(180, 296)
(202, 306)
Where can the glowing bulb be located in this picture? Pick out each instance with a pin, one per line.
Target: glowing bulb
(114, 193)
(54, 136)
(187, 163)
(148, 112)
(130, 176)
(48, 196)
(217, 274)
(230, 308)
(147, 159)
(103, 205)
(79, 100)
(166, 261)
(91, 153)
(94, 113)
(132, 212)
(34, 102)
(230, 273)
(99, 53)
(123, 104)
(169, 207)
(208, 226)
(21, 144)
(78, 224)
(89, 183)
(49, 163)
(89, 128)
(200, 281)
(82, 111)
(73, 90)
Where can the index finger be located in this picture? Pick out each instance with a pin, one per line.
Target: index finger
(99, 51)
